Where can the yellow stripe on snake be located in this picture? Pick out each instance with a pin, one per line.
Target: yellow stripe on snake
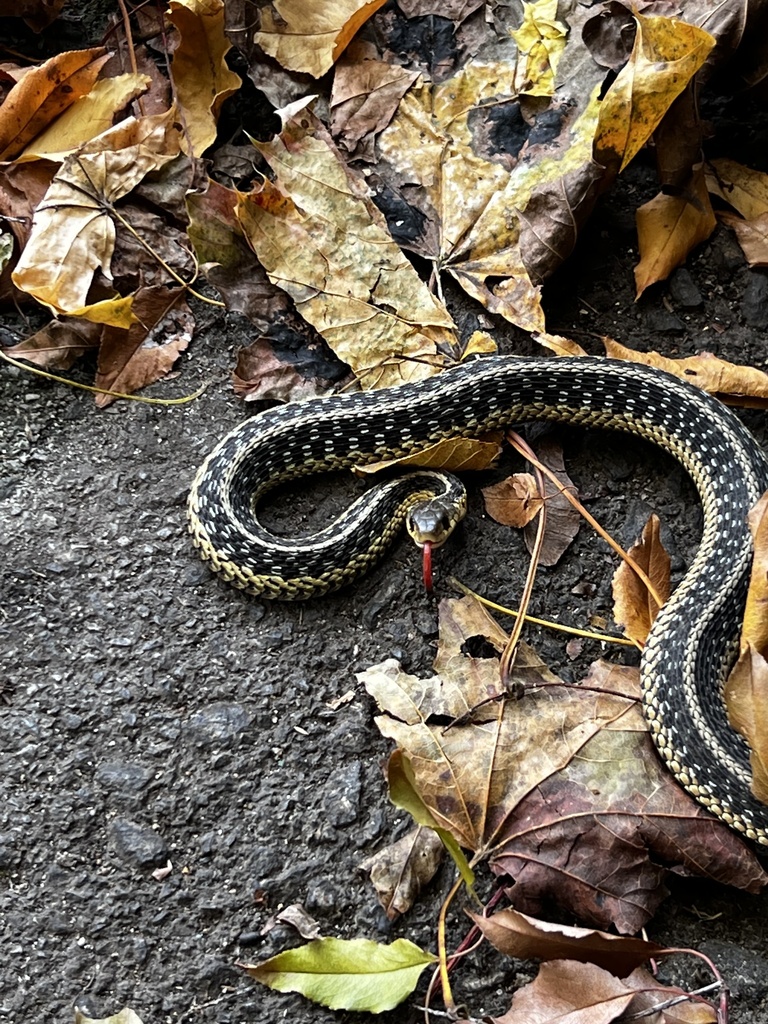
(693, 641)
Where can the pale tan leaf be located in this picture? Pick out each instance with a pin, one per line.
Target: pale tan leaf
(479, 343)
(45, 92)
(633, 606)
(667, 53)
(754, 629)
(320, 238)
(559, 345)
(741, 385)
(201, 77)
(752, 236)
(569, 992)
(746, 700)
(669, 227)
(309, 35)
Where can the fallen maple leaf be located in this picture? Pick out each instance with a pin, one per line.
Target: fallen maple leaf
(45, 92)
(561, 790)
(666, 55)
(528, 938)
(309, 35)
(669, 227)
(730, 382)
(321, 239)
(202, 80)
(400, 870)
(634, 607)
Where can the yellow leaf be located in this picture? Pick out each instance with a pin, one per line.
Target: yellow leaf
(309, 35)
(113, 312)
(743, 188)
(540, 43)
(667, 53)
(72, 232)
(746, 699)
(200, 74)
(319, 237)
(634, 607)
(43, 94)
(87, 117)
(455, 454)
(741, 385)
(668, 228)
(480, 343)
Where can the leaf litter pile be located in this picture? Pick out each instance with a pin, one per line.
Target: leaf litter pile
(375, 174)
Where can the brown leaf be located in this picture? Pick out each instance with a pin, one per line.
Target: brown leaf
(730, 382)
(283, 367)
(518, 935)
(754, 629)
(400, 870)
(634, 607)
(563, 520)
(132, 359)
(296, 916)
(44, 93)
(752, 236)
(202, 80)
(514, 501)
(588, 832)
(309, 35)
(746, 700)
(568, 992)
(58, 345)
(455, 454)
(669, 227)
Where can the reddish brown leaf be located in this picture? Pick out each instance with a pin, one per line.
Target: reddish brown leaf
(283, 367)
(58, 345)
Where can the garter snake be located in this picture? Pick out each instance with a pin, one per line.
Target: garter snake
(694, 638)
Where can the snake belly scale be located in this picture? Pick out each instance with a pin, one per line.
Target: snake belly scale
(694, 639)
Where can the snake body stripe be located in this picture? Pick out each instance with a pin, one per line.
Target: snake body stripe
(693, 640)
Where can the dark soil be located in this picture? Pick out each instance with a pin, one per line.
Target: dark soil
(150, 714)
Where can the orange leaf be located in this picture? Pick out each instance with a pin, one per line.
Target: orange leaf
(634, 606)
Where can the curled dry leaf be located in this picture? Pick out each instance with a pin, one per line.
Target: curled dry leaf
(666, 55)
(540, 44)
(634, 607)
(527, 938)
(560, 790)
(45, 92)
(297, 917)
(309, 35)
(400, 870)
(752, 236)
(669, 227)
(201, 78)
(746, 700)
(734, 384)
(320, 238)
(283, 367)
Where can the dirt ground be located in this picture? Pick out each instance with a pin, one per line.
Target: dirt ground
(149, 714)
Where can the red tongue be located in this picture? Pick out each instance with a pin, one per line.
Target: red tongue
(427, 565)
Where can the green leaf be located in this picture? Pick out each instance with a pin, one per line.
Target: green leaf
(403, 794)
(346, 974)
(124, 1016)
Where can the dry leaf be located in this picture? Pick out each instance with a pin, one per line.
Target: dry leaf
(634, 608)
(73, 234)
(752, 236)
(743, 188)
(754, 629)
(666, 55)
(58, 345)
(454, 454)
(669, 227)
(309, 35)
(201, 78)
(44, 93)
(746, 700)
(296, 916)
(540, 44)
(400, 870)
(527, 938)
(514, 501)
(320, 238)
(284, 367)
(730, 382)
(588, 832)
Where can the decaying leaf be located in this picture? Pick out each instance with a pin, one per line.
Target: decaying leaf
(295, 915)
(201, 78)
(514, 501)
(669, 227)
(666, 55)
(634, 607)
(746, 700)
(320, 238)
(560, 790)
(400, 870)
(528, 938)
(346, 974)
(45, 92)
(73, 233)
(283, 366)
(730, 382)
(309, 35)
(58, 345)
